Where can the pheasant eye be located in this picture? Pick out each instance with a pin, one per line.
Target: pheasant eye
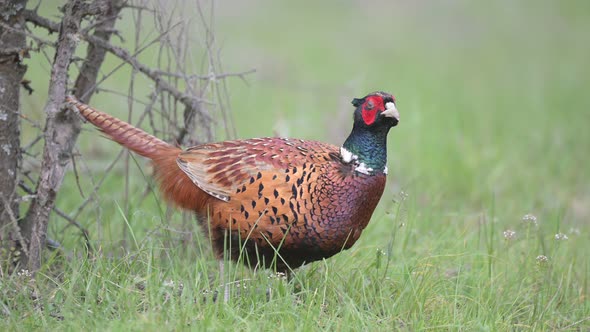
(370, 105)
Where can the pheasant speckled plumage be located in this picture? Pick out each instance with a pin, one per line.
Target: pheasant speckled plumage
(282, 202)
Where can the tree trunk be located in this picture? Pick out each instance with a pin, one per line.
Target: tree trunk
(61, 131)
(12, 71)
(62, 128)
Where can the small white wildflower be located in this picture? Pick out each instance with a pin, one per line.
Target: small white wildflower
(574, 231)
(168, 283)
(509, 234)
(529, 219)
(24, 273)
(403, 195)
(561, 237)
(541, 259)
(241, 285)
(278, 275)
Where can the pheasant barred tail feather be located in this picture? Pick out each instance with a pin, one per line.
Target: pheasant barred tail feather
(123, 133)
(174, 184)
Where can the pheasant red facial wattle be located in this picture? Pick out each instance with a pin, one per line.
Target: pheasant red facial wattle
(371, 108)
(279, 202)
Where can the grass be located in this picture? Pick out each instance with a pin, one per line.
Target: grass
(494, 106)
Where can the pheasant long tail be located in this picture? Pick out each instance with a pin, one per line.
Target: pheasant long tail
(174, 184)
(123, 133)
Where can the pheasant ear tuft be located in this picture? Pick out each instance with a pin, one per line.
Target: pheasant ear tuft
(356, 102)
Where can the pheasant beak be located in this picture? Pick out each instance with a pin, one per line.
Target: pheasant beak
(391, 111)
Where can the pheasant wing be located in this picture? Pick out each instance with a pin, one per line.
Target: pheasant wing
(220, 169)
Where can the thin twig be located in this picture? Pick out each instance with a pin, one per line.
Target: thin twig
(33, 124)
(39, 40)
(242, 75)
(18, 52)
(105, 173)
(32, 143)
(98, 184)
(14, 222)
(137, 7)
(40, 21)
(75, 169)
(150, 106)
(70, 220)
(127, 57)
(120, 94)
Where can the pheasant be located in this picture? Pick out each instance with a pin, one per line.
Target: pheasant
(279, 202)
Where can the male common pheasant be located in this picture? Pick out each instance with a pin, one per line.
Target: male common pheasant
(280, 202)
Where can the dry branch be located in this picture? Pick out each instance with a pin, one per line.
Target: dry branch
(124, 55)
(65, 216)
(104, 28)
(62, 128)
(156, 75)
(61, 131)
(37, 20)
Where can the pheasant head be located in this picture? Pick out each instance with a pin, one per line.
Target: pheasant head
(366, 146)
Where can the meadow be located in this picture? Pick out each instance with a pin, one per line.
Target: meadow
(485, 221)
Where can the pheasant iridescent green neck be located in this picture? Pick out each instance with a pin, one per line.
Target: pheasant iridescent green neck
(367, 149)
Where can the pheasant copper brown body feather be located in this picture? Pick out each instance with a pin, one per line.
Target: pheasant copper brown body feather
(279, 201)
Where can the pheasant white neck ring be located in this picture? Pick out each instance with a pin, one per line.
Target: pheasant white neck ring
(362, 168)
(348, 157)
